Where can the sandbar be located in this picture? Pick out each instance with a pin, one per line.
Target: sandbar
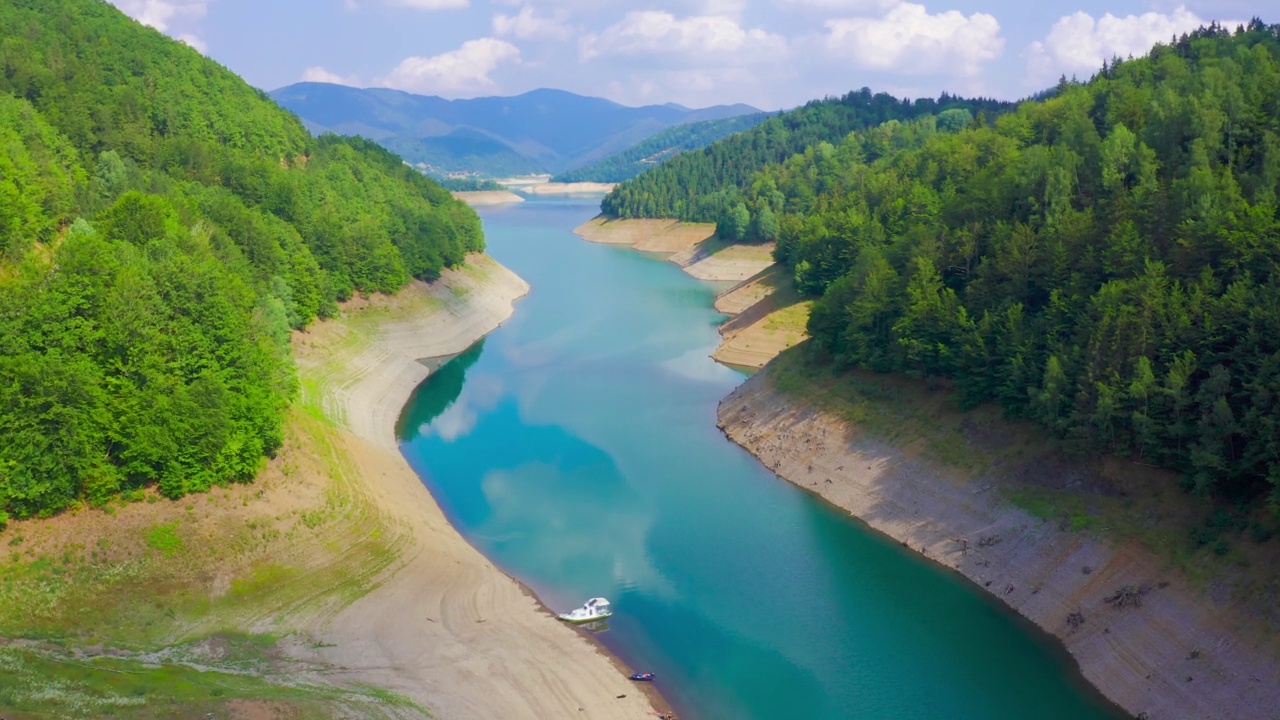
(485, 198)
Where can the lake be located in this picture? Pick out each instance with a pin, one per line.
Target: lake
(576, 447)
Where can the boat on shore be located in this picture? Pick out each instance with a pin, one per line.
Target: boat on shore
(591, 611)
(642, 677)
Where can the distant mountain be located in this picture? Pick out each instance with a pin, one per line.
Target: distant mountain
(539, 131)
(659, 148)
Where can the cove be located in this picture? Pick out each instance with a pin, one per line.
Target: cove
(577, 448)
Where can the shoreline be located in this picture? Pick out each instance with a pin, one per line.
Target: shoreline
(486, 198)
(445, 627)
(1174, 657)
(768, 315)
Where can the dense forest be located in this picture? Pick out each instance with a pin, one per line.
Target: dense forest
(705, 186)
(163, 227)
(660, 148)
(1105, 262)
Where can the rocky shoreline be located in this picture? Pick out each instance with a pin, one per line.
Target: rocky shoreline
(1141, 634)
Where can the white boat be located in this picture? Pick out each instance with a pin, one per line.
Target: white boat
(594, 609)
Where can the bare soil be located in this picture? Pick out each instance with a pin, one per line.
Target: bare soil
(645, 235)
(769, 317)
(483, 198)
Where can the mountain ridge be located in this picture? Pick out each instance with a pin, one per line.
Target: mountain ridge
(545, 129)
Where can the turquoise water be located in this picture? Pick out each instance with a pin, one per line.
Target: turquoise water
(577, 448)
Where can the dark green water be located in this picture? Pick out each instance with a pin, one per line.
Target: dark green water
(577, 448)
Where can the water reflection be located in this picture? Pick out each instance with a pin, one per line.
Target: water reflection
(547, 497)
(433, 398)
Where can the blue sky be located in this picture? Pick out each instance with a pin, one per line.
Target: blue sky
(769, 53)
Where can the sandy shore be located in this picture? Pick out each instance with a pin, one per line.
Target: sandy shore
(692, 246)
(645, 235)
(577, 188)
(444, 627)
(485, 198)
(716, 261)
(769, 315)
(1183, 654)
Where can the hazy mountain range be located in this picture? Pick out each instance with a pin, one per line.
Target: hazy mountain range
(539, 131)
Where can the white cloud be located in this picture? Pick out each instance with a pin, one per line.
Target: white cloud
(464, 70)
(528, 25)
(652, 32)
(194, 41)
(694, 87)
(162, 14)
(727, 8)
(1079, 44)
(431, 4)
(178, 18)
(908, 39)
(316, 73)
(859, 6)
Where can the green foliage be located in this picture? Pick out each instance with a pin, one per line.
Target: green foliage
(165, 538)
(659, 148)
(733, 223)
(163, 227)
(701, 185)
(954, 120)
(1105, 262)
(38, 177)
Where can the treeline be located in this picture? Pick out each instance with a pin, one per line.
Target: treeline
(468, 184)
(659, 148)
(163, 227)
(1105, 262)
(703, 186)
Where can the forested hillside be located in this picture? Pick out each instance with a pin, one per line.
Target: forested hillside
(706, 185)
(163, 226)
(659, 148)
(1105, 262)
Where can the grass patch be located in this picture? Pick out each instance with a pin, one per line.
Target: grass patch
(792, 318)
(44, 683)
(165, 539)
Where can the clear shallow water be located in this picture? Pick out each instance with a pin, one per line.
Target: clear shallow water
(577, 448)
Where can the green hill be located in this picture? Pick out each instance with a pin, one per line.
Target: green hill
(163, 226)
(702, 186)
(1105, 262)
(659, 148)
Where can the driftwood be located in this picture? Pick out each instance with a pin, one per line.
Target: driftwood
(1126, 596)
(989, 541)
(1075, 620)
